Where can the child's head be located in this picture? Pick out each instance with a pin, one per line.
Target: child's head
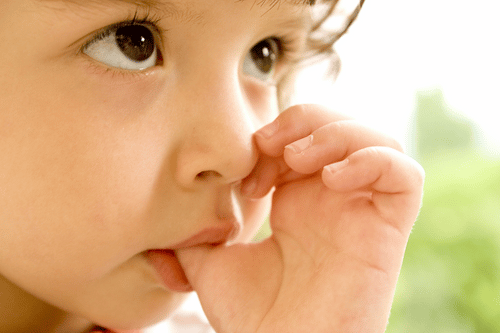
(126, 126)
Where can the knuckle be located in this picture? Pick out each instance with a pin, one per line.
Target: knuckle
(312, 113)
(395, 144)
(380, 156)
(301, 112)
(336, 126)
(292, 117)
(376, 153)
(338, 130)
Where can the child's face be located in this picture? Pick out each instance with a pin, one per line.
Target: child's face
(101, 162)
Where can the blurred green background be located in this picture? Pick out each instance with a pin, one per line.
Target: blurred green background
(450, 280)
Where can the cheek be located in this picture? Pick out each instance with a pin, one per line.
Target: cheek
(124, 96)
(262, 99)
(75, 191)
(76, 182)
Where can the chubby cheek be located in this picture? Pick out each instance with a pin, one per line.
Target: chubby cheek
(79, 182)
(76, 188)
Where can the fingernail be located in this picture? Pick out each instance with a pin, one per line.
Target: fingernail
(299, 146)
(268, 130)
(336, 167)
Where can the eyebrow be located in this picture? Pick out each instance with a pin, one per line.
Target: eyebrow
(87, 3)
(161, 4)
(169, 8)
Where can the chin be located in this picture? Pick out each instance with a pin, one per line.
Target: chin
(158, 306)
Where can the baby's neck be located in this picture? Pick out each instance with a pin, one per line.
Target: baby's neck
(22, 312)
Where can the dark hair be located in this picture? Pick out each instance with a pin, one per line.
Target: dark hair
(321, 39)
(320, 44)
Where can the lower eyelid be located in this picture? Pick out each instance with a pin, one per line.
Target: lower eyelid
(93, 67)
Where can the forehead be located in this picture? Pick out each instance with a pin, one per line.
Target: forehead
(181, 8)
(290, 14)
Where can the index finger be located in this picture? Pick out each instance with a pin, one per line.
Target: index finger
(292, 124)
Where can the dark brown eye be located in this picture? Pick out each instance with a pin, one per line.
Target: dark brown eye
(264, 55)
(261, 60)
(136, 42)
(126, 46)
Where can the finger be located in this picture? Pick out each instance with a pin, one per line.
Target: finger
(293, 124)
(267, 173)
(262, 178)
(331, 143)
(393, 180)
(381, 169)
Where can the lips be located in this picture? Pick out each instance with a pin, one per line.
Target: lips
(169, 270)
(168, 266)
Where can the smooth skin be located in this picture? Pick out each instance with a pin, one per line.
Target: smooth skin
(100, 165)
(341, 216)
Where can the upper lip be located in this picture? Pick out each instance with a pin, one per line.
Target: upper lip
(223, 229)
(209, 236)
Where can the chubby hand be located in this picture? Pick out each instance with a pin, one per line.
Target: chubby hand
(345, 200)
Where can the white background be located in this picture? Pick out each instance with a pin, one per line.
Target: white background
(398, 47)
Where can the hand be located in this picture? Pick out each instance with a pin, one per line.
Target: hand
(341, 215)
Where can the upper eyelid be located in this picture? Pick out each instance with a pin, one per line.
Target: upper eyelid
(108, 30)
(290, 41)
(290, 48)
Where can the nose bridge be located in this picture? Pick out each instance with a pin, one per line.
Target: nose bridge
(217, 136)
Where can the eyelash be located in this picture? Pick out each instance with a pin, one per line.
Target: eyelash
(147, 20)
(288, 45)
(289, 48)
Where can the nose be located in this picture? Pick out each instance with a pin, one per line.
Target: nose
(216, 145)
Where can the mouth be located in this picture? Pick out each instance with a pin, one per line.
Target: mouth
(168, 267)
(169, 270)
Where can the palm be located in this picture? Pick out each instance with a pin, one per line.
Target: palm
(295, 277)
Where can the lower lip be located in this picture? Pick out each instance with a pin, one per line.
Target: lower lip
(169, 269)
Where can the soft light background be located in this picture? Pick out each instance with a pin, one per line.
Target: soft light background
(427, 72)
(442, 59)
(397, 48)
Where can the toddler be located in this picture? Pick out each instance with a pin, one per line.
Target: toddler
(141, 148)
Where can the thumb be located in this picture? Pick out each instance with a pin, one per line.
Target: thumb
(235, 284)
(206, 266)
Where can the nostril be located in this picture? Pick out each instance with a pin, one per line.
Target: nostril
(208, 175)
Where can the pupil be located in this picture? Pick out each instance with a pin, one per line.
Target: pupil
(136, 42)
(264, 56)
